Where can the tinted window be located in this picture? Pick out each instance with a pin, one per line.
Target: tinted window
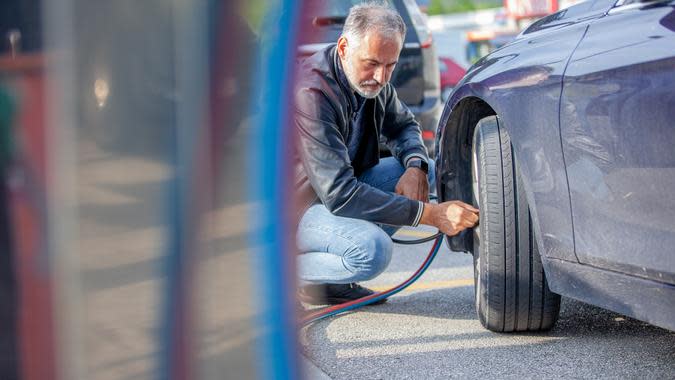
(323, 20)
(418, 20)
(340, 7)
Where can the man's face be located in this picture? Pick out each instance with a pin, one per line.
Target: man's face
(368, 63)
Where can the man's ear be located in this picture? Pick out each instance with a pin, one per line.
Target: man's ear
(342, 47)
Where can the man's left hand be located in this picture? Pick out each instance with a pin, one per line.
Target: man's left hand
(414, 185)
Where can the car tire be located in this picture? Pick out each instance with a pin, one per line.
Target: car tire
(511, 290)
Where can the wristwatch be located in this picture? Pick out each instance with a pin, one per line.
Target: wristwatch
(420, 164)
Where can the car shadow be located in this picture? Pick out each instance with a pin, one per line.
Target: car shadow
(360, 347)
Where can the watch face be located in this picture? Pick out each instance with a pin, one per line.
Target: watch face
(425, 166)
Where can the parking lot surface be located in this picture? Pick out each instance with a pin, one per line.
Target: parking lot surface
(431, 331)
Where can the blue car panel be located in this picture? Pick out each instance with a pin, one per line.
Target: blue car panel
(586, 96)
(617, 112)
(521, 82)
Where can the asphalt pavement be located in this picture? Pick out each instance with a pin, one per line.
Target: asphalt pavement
(431, 332)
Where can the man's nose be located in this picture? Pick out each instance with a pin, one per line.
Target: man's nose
(380, 75)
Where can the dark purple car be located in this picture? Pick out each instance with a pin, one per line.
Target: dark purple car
(565, 140)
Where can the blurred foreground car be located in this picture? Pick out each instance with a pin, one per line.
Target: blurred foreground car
(451, 74)
(564, 138)
(416, 77)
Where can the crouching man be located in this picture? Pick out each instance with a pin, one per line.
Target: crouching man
(353, 200)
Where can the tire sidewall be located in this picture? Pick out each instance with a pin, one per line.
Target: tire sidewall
(480, 257)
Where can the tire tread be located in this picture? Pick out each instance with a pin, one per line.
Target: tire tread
(514, 294)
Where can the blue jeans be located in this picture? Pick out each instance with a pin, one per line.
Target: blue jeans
(341, 250)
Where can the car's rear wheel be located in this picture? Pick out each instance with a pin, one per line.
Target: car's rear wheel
(511, 290)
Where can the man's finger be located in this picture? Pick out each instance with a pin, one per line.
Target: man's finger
(472, 216)
(468, 207)
(468, 222)
(452, 231)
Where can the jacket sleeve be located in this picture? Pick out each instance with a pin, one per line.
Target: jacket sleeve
(401, 131)
(324, 155)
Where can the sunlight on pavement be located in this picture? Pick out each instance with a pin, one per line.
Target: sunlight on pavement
(415, 233)
(430, 285)
(446, 344)
(340, 331)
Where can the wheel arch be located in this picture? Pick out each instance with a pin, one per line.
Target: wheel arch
(454, 158)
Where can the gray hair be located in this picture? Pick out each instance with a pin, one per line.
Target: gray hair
(373, 16)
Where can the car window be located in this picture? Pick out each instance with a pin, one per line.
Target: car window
(325, 20)
(340, 7)
(418, 20)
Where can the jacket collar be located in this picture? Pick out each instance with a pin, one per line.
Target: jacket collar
(342, 79)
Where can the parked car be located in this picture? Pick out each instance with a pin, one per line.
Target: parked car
(564, 139)
(416, 77)
(480, 43)
(451, 74)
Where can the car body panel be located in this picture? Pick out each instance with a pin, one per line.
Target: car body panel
(577, 98)
(531, 67)
(643, 299)
(617, 112)
(417, 69)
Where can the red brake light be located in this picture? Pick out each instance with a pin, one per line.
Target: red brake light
(428, 135)
(427, 43)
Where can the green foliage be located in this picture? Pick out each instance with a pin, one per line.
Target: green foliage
(254, 12)
(438, 7)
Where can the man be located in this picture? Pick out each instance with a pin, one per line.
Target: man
(352, 200)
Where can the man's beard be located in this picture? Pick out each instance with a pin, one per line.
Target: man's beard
(360, 88)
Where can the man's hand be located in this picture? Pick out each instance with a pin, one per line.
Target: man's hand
(414, 185)
(451, 217)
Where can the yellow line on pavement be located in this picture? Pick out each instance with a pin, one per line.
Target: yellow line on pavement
(413, 233)
(430, 285)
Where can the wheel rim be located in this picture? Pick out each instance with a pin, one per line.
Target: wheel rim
(475, 185)
(474, 177)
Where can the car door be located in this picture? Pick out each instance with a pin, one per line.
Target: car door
(409, 75)
(618, 129)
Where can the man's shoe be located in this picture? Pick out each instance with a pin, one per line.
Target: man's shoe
(335, 294)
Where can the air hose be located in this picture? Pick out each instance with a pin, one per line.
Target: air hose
(330, 311)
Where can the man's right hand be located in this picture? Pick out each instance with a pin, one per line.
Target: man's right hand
(451, 217)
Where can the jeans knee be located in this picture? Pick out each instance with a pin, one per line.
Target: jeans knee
(371, 256)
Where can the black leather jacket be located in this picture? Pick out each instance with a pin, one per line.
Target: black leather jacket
(324, 105)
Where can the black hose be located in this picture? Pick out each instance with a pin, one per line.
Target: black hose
(422, 240)
(417, 241)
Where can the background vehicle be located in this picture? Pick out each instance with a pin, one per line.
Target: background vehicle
(451, 74)
(564, 140)
(480, 43)
(416, 76)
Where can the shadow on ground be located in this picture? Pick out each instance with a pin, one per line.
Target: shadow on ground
(586, 342)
